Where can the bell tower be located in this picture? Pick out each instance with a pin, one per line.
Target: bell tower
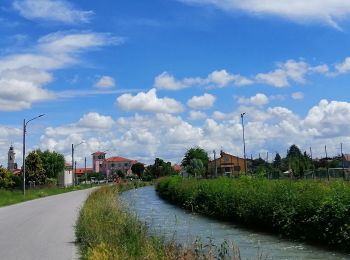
(11, 164)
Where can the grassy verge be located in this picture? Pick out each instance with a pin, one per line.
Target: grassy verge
(104, 230)
(9, 197)
(313, 211)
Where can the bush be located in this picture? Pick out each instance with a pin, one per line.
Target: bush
(314, 211)
(6, 179)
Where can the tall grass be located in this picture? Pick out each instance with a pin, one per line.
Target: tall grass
(308, 210)
(105, 230)
(9, 197)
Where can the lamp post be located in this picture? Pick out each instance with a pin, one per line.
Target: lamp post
(245, 161)
(25, 123)
(73, 171)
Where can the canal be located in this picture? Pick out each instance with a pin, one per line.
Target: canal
(183, 227)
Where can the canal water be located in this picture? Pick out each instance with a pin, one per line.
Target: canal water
(183, 227)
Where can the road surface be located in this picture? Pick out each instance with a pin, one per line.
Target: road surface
(41, 228)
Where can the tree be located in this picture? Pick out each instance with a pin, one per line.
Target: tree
(196, 167)
(299, 163)
(195, 153)
(138, 168)
(6, 179)
(53, 163)
(277, 162)
(34, 169)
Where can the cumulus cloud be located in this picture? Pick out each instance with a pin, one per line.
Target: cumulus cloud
(271, 129)
(196, 115)
(105, 82)
(258, 100)
(24, 76)
(149, 102)
(282, 76)
(325, 11)
(291, 70)
(51, 10)
(95, 120)
(217, 78)
(343, 67)
(202, 102)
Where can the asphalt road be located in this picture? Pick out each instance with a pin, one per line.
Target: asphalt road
(41, 228)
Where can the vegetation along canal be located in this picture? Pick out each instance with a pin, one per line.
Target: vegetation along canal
(184, 227)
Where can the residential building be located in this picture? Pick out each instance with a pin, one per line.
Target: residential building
(107, 166)
(226, 165)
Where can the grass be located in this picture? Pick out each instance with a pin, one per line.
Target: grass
(9, 197)
(309, 210)
(105, 230)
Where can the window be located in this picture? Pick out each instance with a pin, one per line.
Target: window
(126, 164)
(237, 168)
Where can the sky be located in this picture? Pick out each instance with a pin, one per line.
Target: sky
(146, 79)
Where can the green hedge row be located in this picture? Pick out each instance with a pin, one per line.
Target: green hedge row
(308, 210)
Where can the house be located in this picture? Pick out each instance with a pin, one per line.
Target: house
(107, 166)
(226, 165)
(347, 160)
(65, 179)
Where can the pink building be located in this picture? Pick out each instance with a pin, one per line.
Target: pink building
(112, 164)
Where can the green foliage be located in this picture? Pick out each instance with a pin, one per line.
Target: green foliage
(299, 163)
(53, 163)
(34, 169)
(196, 167)
(6, 179)
(195, 153)
(138, 169)
(314, 211)
(160, 168)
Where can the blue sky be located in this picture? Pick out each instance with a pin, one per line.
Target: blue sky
(146, 79)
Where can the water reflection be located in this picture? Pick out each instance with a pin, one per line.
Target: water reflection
(184, 227)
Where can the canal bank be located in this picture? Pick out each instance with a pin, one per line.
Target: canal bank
(183, 227)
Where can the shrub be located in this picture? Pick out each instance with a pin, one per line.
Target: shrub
(314, 211)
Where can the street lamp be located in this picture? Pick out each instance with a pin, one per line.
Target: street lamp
(245, 161)
(24, 151)
(73, 171)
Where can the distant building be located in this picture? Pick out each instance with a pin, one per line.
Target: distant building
(346, 160)
(11, 160)
(65, 179)
(107, 166)
(226, 165)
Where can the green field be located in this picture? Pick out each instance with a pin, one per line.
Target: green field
(309, 210)
(9, 197)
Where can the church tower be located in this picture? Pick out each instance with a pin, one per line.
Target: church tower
(11, 164)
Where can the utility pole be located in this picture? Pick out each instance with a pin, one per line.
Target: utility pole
(85, 172)
(216, 169)
(245, 161)
(75, 172)
(73, 175)
(313, 165)
(325, 149)
(342, 160)
(24, 150)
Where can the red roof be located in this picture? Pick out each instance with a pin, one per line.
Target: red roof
(177, 167)
(81, 171)
(98, 153)
(118, 159)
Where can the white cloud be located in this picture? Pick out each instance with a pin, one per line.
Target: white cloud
(325, 11)
(51, 10)
(258, 100)
(149, 102)
(197, 115)
(298, 95)
(168, 136)
(105, 82)
(291, 70)
(24, 76)
(218, 78)
(202, 102)
(343, 67)
(95, 120)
